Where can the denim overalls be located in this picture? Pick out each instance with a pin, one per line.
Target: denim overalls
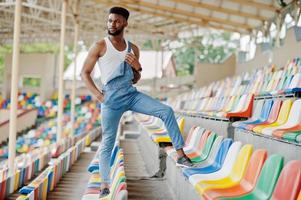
(119, 97)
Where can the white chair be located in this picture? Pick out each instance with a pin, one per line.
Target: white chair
(255, 116)
(212, 154)
(193, 145)
(226, 168)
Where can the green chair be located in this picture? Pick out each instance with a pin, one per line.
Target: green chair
(291, 136)
(206, 150)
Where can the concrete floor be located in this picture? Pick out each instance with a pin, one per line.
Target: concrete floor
(73, 184)
(135, 171)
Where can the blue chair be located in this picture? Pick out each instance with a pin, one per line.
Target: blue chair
(218, 162)
(265, 112)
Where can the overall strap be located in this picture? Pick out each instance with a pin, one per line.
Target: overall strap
(129, 47)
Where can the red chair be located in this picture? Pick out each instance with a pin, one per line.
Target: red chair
(289, 182)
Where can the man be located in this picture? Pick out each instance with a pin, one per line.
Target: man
(116, 60)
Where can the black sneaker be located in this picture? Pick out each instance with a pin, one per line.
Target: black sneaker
(184, 162)
(104, 192)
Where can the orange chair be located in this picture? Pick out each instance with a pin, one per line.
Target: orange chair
(247, 109)
(289, 182)
(248, 182)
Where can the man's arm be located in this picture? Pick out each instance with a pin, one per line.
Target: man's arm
(94, 53)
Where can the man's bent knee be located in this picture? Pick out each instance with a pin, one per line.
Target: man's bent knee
(168, 111)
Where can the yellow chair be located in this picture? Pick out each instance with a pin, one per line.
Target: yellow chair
(236, 174)
(166, 138)
(282, 117)
(16, 180)
(44, 188)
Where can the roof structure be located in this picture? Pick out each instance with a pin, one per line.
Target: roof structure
(151, 19)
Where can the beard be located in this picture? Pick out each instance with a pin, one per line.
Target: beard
(117, 32)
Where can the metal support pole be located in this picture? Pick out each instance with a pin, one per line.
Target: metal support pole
(76, 30)
(61, 73)
(14, 89)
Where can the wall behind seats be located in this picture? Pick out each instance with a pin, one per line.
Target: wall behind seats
(290, 49)
(40, 65)
(206, 73)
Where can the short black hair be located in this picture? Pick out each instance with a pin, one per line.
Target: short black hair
(120, 11)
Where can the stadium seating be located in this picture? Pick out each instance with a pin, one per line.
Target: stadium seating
(45, 134)
(279, 119)
(230, 170)
(27, 167)
(273, 114)
(118, 186)
(156, 129)
(233, 171)
(245, 185)
(48, 179)
(234, 174)
(293, 119)
(267, 180)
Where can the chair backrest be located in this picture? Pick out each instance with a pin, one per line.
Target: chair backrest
(229, 105)
(235, 103)
(255, 166)
(181, 123)
(203, 104)
(203, 140)
(198, 132)
(295, 81)
(240, 105)
(241, 162)
(215, 147)
(205, 151)
(222, 152)
(231, 157)
(284, 111)
(257, 108)
(289, 182)
(222, 103)
(287, 82)
(278, 80)
(294, 117)
(269, 176)
(190, 135)
(275, 111)
(123, 194)
(266, 109)
(282, 82)
(209, 103)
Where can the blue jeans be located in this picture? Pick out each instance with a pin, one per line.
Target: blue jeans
(121, 98)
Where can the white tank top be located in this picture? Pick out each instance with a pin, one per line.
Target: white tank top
(110, 61)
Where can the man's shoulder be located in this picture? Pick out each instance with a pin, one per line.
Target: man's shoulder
(99, 47)
(100, 43)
